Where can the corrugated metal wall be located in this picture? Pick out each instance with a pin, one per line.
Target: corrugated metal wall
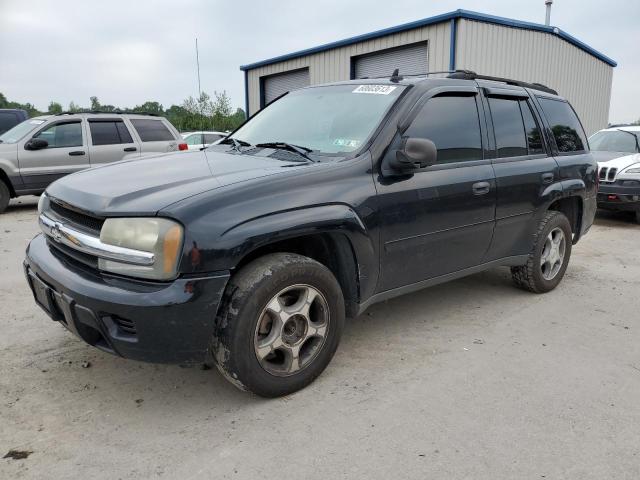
(335, 65)
(538, 57)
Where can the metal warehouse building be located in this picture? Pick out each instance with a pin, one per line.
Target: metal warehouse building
(461, 39)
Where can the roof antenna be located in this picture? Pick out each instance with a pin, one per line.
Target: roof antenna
(395, 76)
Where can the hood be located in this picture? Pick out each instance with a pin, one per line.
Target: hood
(148, 184)
(620, 162)
(607, 156)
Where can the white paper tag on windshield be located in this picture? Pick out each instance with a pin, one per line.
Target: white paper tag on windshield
(375, 89)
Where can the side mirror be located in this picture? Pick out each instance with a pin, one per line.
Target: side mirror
(415, 154)
(36, 144)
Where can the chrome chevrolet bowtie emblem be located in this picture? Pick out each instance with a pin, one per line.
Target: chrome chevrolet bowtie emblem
(55, 232)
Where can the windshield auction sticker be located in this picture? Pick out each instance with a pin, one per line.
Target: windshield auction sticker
(375, 89)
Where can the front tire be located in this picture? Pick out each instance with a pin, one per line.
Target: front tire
(5, 196)
(549, 257)
(279, 324)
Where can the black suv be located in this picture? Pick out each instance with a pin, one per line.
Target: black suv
(332, 198)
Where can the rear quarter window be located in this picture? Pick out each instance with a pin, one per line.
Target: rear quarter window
(152, 130)
(565, 126)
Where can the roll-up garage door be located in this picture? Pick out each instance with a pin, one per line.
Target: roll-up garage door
(276, 85)
(410, 60)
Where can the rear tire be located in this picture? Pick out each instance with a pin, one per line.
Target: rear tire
(549, 257)
(5, 196)
(279, 324)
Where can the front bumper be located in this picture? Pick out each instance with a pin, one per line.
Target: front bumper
(620, 195)
(154, 322)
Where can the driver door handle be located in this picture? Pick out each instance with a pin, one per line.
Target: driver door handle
(130, 149)
(481, 188)
(76, 153)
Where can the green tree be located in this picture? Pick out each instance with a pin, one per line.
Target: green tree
(150, 107)
(95, 103)
(54, 108)
(73, 107)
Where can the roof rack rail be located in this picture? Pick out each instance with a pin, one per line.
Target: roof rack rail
(470, 75)
(106, 112)
(397, 75)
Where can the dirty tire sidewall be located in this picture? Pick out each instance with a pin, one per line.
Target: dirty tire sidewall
(5, 196)
(246, 295)
(530, 275)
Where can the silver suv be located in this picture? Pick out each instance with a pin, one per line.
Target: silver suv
(42, 149)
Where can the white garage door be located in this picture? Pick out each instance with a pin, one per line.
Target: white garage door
(276, 85)
(410, 60)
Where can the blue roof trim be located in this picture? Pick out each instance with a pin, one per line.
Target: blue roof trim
(431, 21)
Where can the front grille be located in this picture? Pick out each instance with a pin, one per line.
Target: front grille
(603, 173)
(612, 174)
(81, 220)
(70, 253)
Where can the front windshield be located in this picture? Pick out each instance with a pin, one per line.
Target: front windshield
(16, 133)
(330, 120)
(614, 141)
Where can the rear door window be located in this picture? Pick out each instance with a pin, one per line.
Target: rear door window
(508, 126)
(452, 123)
(60, 135)
(152, 130)
(565, 126)
(109, 132)
(532, 129)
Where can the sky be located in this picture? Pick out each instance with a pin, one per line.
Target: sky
(126, 52)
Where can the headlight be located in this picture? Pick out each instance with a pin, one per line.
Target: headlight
(160, 236)
(635, 168)
(41, 202)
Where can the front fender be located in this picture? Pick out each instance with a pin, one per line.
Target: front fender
(240, 240)
(336, 218)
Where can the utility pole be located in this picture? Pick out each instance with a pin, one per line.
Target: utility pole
(198, 67)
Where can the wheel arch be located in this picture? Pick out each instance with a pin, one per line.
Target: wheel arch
(572, 207)
(5, 178)
(333, 235)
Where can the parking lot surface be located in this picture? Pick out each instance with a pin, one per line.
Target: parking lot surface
(472, 379)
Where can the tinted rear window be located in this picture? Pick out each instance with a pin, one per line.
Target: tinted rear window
(565, 126)
(109, 132)
(508, 126)
(534, 136)
(152, 130)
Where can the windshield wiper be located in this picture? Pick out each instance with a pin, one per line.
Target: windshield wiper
(302, 151)
(635, 137)
(236, 143)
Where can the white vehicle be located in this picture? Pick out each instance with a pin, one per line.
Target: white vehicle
(200, 140)
(620, 184)
(617, 150)
(615, 142)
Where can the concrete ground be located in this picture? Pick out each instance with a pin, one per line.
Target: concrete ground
(469, 380)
